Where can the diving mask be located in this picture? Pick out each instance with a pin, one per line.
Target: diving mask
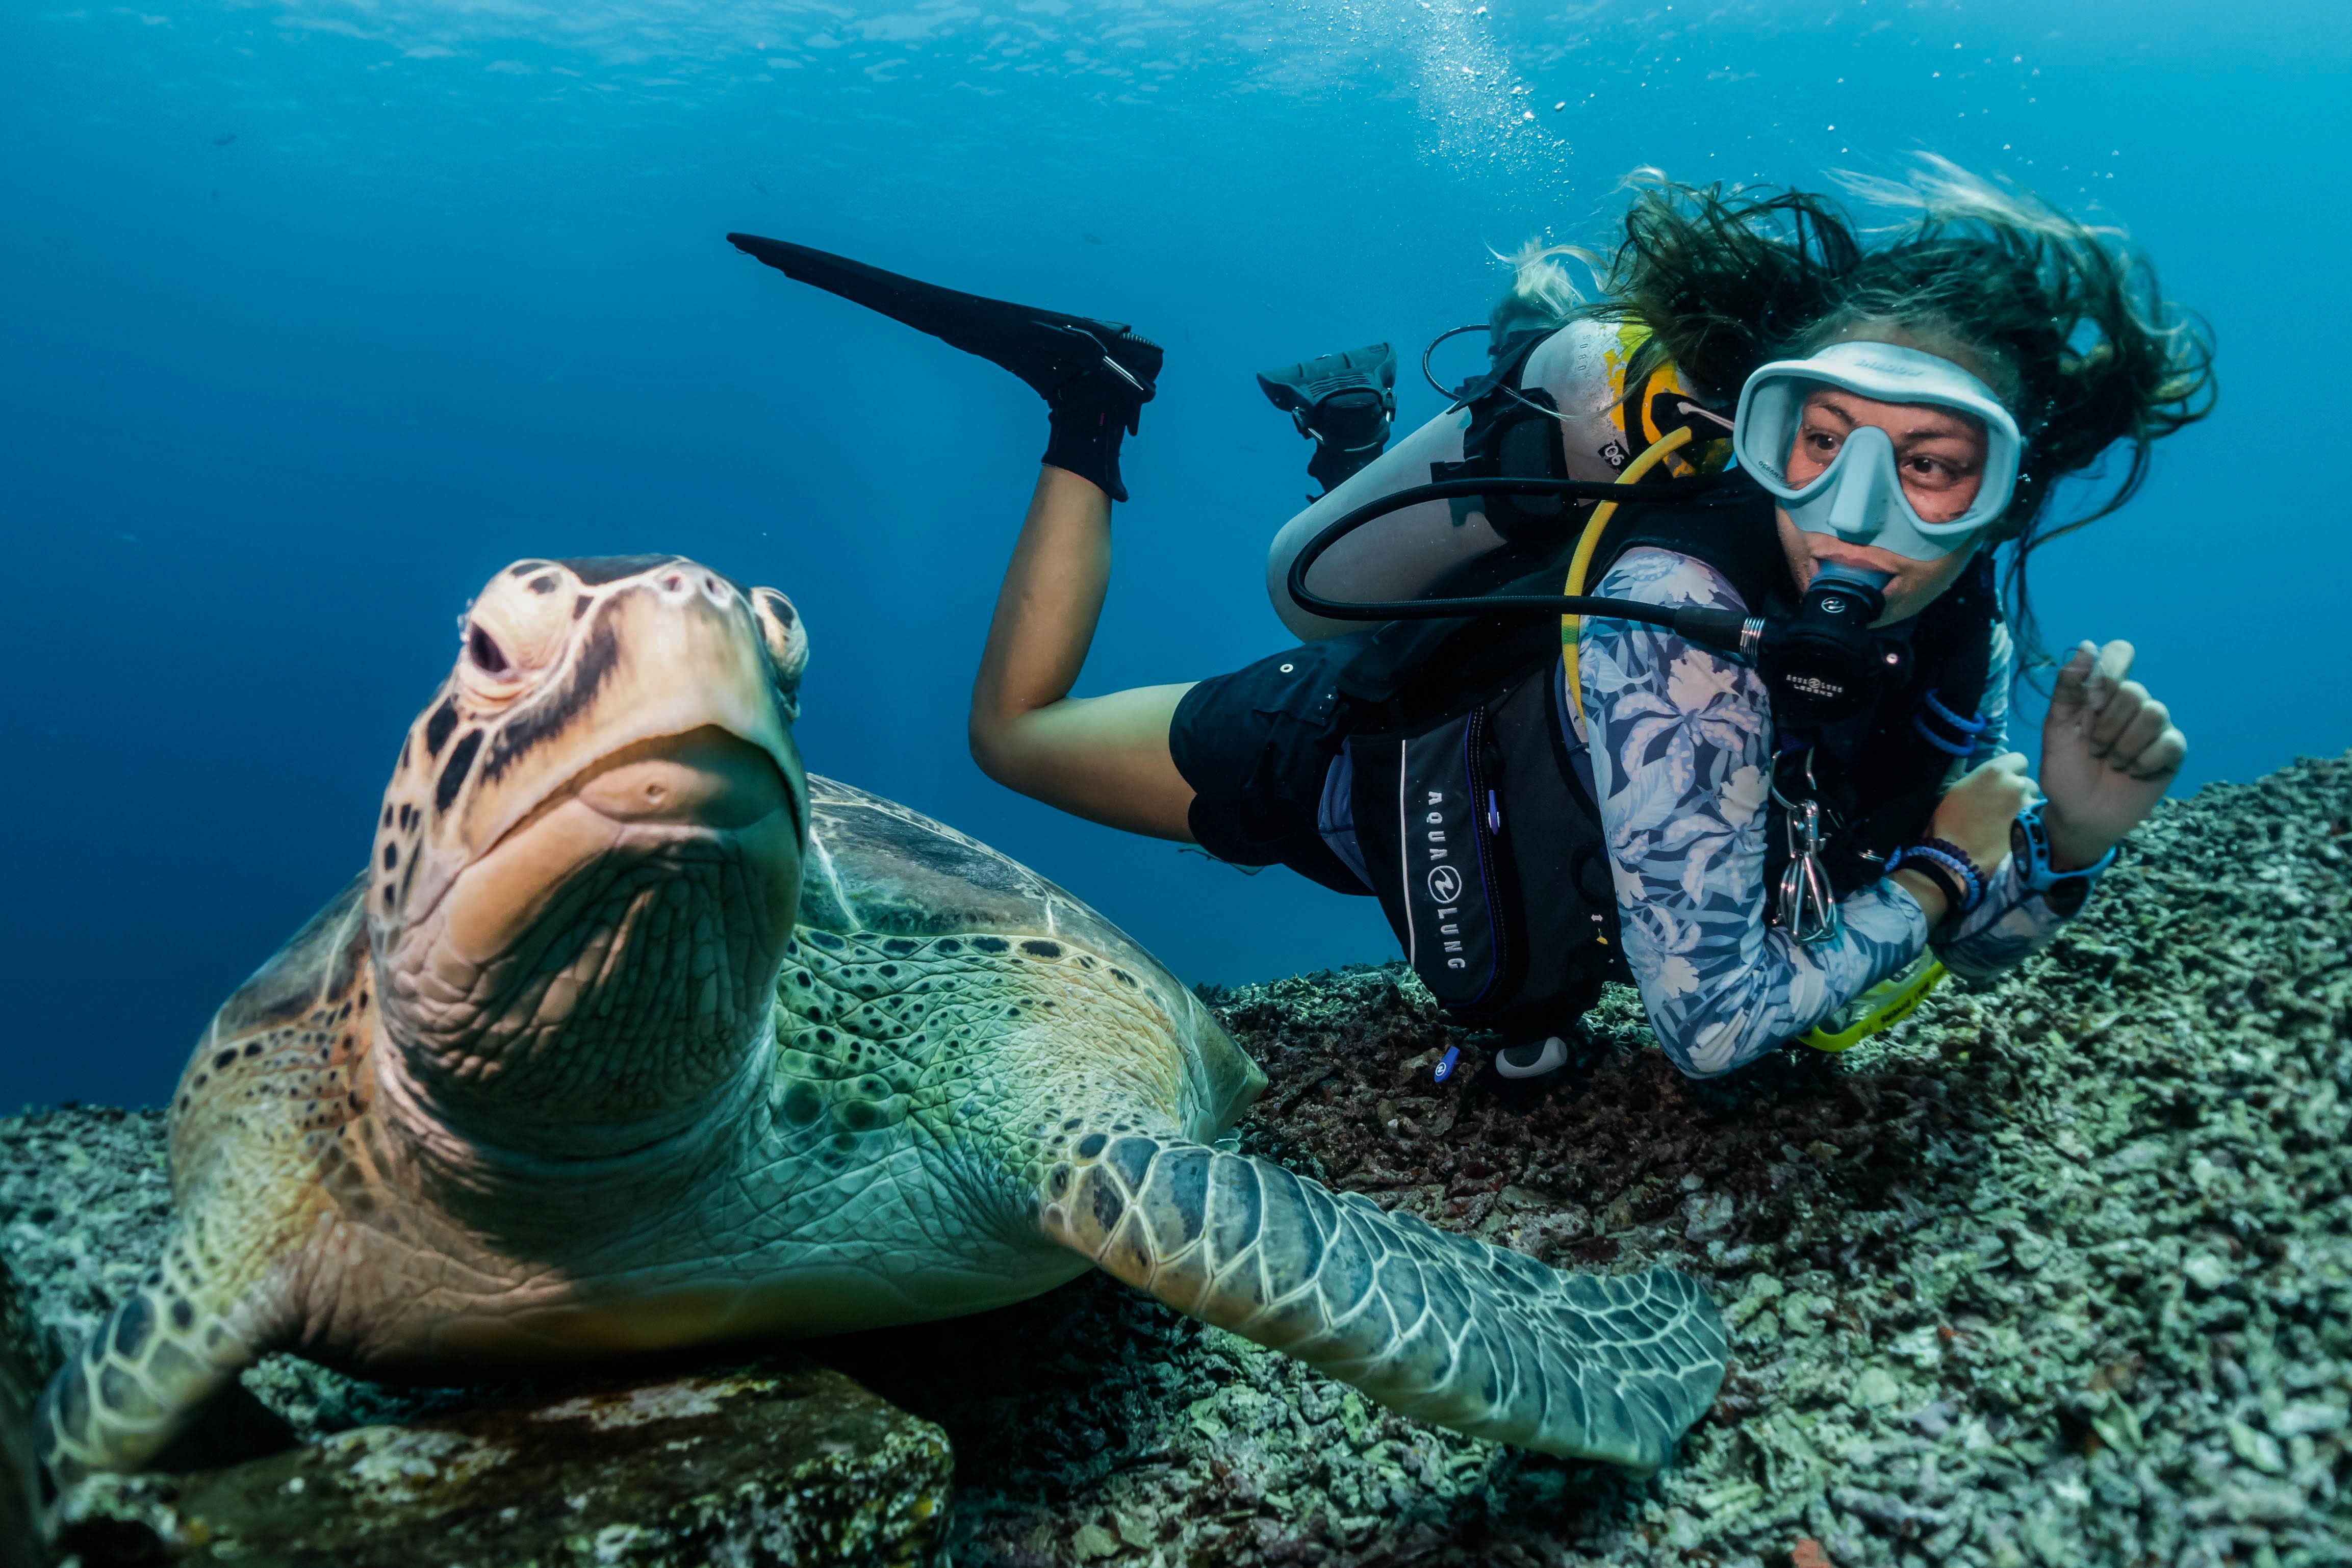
(1860, 499)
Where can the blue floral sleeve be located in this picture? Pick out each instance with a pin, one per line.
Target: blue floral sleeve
(1681, 744)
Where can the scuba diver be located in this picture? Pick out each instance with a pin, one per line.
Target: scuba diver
(1753, 758)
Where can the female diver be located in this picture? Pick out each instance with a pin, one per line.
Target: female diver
(1770, 817)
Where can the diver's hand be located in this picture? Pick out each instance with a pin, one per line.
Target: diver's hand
(2108, 753)
(1975, 812)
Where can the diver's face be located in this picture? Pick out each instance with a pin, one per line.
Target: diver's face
(1939, 452)
(1939, 456)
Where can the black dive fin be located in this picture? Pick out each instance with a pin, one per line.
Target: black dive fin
(1344, 402)
(1050, 351)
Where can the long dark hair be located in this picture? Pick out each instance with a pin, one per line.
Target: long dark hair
(2063, 320)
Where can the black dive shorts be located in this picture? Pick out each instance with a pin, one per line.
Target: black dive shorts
(1255, 746)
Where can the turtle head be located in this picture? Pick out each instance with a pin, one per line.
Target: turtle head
(588, 859)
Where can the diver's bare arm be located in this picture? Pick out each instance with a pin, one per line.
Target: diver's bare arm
(1104, 759)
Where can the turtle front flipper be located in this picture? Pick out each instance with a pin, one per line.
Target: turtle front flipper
(151, 1364)
(1448, 1330)
(257, 1127)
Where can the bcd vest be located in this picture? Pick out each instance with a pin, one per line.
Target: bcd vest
(1486, 851)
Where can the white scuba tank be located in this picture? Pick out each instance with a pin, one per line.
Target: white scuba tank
(1583, 366)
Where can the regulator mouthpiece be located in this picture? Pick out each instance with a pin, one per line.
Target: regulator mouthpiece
(1825, 664)
(1831, 576)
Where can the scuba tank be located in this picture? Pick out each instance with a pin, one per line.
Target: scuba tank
(1553, 405)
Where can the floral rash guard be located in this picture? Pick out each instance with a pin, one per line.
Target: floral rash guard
(1681, 746)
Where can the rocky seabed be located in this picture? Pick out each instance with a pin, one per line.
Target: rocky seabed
(2058, 1272)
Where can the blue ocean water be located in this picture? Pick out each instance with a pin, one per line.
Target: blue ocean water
(313, 313)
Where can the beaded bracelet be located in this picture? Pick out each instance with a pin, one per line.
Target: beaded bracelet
(1977, 883)
(1932, 868)
(1949, 866)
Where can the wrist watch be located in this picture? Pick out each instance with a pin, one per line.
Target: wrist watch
(2063, 891)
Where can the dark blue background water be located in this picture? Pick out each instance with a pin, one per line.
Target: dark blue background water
(317, 314)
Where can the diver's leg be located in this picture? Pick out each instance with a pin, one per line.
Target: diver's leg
(1104, 759)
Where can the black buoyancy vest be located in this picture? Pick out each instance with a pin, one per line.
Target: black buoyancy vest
(1487, 855)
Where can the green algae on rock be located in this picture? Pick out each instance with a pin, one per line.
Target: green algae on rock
(777, 1464)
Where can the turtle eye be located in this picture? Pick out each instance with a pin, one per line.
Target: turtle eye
(484, 649)
(520, 624)
(786, 642)
(784, 634)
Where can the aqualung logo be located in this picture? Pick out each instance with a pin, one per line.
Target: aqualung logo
(1443, 881)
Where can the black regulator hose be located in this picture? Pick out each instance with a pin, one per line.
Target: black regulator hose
(1725, 630)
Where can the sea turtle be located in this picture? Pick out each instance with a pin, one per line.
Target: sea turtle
(633, 1035)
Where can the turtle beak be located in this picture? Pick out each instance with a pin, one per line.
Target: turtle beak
(706, 777)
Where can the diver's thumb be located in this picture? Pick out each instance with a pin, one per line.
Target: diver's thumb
(2072, 690)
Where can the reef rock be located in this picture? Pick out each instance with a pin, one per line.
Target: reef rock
(763, 1465)
(2057, 1272)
